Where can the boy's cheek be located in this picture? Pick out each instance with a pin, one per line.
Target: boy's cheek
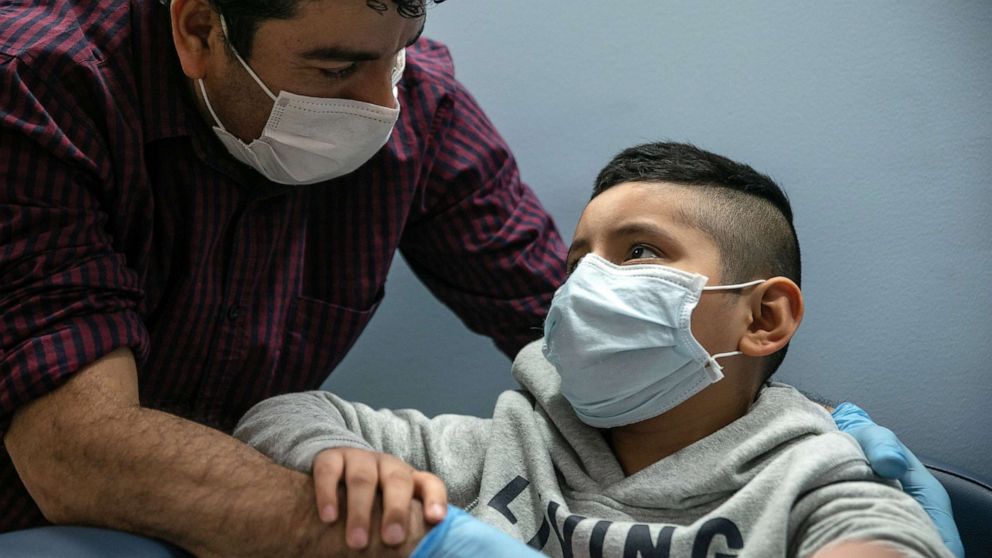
(708, 328)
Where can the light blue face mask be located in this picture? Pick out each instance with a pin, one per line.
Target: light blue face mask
(620, 338)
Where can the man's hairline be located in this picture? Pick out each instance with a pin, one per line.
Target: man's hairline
(230, 50)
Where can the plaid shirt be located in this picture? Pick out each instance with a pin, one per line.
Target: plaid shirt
(123, 222)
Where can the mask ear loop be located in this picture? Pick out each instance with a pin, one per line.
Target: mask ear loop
(206, 100)
(722, 355)
(735, 287)
(223, 29)
(203, 89)
(713, 363)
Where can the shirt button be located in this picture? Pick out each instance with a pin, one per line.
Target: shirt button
(233, 312)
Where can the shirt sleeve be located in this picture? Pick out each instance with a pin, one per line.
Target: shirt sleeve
(67, 297)
(865, 511)
(292, 429)
(480, 239)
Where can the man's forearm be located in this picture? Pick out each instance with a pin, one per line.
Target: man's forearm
(148, 472)
(156, 474)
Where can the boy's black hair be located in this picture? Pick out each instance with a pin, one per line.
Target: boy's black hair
(744, 211)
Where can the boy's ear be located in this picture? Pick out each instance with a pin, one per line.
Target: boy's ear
(192, 23)
(776, 310)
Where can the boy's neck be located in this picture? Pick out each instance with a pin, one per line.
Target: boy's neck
(639, 445)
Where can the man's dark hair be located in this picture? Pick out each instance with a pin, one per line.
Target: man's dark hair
(744, 211)
(244, 16)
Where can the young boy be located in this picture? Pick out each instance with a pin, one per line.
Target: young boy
(647, 425)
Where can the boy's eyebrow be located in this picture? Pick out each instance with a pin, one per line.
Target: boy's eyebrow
(577, 245)
(636, 228)
(632, 228)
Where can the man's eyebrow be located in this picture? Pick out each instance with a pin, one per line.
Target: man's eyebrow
(343, 54)
(420, 32)
(340, 53)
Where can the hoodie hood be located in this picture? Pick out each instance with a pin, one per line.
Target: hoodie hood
(742, 448)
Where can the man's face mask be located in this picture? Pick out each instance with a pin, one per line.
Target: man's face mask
(620, 338)
(311, 139)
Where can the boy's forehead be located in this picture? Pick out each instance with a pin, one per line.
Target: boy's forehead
(661, 203)
(660, 216)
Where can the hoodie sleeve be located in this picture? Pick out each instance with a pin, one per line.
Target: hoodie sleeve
(865, 511)
(292, 429)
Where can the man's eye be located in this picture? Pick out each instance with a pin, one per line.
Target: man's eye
(641, 251)
(339, 73)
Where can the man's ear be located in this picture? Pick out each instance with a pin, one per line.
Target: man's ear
(776, 310)
(192, 23)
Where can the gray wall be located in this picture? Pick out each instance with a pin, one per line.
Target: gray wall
(876, 117)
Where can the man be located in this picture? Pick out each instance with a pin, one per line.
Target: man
(196, 214)
(136, 241)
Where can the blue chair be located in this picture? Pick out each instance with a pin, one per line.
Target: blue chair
(971, 499)
(83, 542)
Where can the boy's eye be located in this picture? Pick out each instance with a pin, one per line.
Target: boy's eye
(641, 252)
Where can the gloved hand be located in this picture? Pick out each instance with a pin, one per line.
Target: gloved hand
(891, 459)
(462, 536)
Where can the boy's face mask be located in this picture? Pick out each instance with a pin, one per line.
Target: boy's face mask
(620, 338)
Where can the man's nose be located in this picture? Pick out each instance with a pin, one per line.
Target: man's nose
(373, 87)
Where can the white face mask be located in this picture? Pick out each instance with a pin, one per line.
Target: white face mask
(620, 338)
(312, 139)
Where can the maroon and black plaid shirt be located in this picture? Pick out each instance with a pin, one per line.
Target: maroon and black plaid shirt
(123, 222)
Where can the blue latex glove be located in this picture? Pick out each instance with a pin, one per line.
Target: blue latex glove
(462, 536)
(892, 460)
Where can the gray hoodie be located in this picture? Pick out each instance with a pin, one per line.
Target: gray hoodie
(779, 481)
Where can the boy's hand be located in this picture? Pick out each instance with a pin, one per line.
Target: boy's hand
(365, 473)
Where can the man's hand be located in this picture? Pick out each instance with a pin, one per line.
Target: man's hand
(891, 459)
(89, 454)
(364, 473)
